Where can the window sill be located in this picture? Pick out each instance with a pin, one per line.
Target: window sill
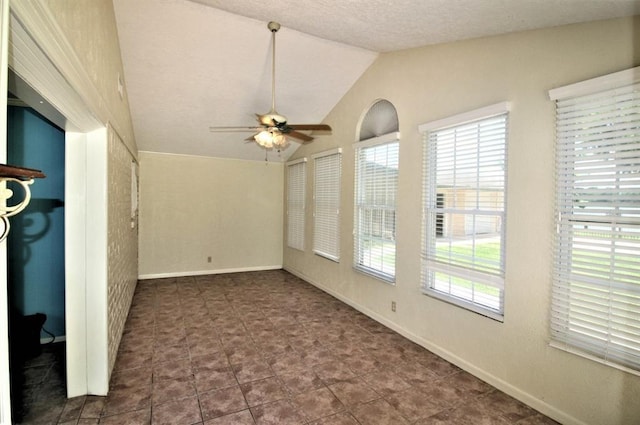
(391, 280)
(459, 302)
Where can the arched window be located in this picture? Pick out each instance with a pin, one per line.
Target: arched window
(376, 186)
(380, 119)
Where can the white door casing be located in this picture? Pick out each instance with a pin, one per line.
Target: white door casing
(5, 398)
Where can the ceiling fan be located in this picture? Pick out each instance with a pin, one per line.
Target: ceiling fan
(273, 130)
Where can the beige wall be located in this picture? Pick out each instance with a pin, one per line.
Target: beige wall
(90, 27)
(122, 241)
(193, 207)
(435, 82)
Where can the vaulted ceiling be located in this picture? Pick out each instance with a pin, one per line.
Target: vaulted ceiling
(192, 64)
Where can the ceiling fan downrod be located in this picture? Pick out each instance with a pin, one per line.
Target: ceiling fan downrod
(272, 118)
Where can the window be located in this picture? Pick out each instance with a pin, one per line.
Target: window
(326, 240)
(596, 282)
(464, 209)
(296, 181)
(376, 184)
(134, 194)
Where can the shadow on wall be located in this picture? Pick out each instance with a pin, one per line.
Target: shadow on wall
(35, 245)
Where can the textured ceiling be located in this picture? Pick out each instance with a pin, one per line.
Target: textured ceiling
(389, 25)
(191, 64)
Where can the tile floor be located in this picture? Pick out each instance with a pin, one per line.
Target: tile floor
(38, 385)
(268, 348)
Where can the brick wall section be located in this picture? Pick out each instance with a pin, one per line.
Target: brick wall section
(123, 242)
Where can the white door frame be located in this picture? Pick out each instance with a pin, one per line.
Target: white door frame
(85, 262)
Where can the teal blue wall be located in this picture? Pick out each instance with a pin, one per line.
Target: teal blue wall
(35, 249)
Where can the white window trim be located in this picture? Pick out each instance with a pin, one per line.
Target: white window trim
(326, 153)
(380, 140)
(296, 161)
(461, 119)
(465, 117)
(595, 85)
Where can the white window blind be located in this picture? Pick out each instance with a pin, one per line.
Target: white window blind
(596, 283)
(296, 182)
(464, 209)
(376, 186)
(134, 194)
(326, 239)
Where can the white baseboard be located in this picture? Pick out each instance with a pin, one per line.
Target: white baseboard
(499, 383)
(205, 272)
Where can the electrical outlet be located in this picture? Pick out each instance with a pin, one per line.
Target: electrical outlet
(208, 259)
(393, 306)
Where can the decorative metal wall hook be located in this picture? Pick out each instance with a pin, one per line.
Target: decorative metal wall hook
(24, 177)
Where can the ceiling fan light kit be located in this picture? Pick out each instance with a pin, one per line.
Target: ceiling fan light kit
(270, 139)
(273, 132)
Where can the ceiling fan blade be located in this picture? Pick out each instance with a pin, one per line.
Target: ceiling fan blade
(316, 127)
(231, 129)
(300, 136)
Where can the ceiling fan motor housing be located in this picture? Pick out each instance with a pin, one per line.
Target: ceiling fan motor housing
(272, 119)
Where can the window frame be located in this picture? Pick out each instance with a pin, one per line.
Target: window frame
(359, 204)
(326, 227)
(296, 203)
(433, 210)
(592, 306)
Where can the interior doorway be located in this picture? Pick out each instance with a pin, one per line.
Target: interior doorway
(50, 78)
(36, 262)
